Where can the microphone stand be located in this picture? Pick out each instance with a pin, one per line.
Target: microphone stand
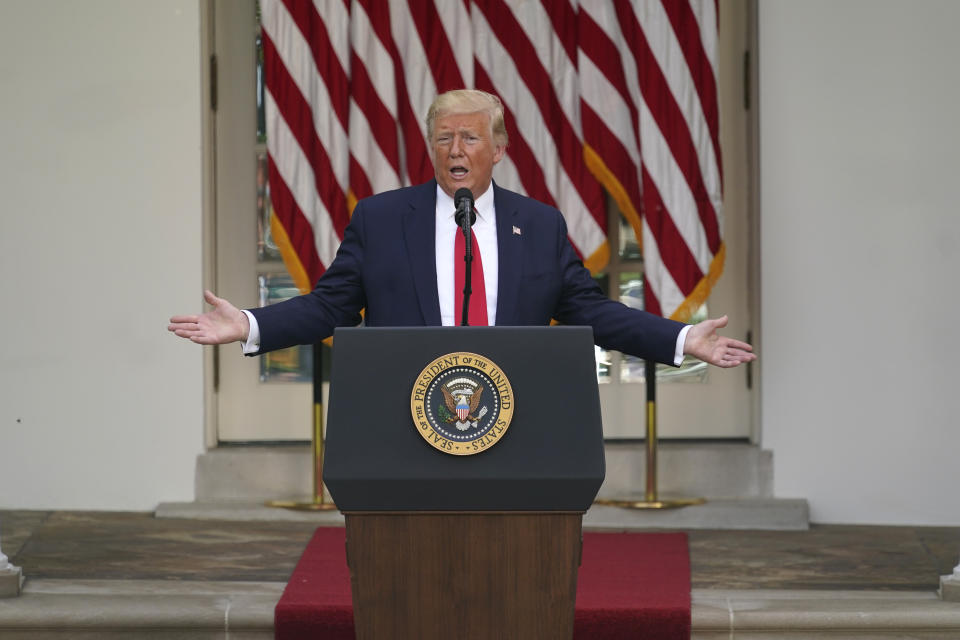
(465, 223)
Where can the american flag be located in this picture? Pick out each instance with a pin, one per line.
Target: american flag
(599, 94)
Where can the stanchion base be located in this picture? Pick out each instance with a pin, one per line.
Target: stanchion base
(664, 503)
(302, 505)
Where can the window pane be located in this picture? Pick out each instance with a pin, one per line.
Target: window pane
(604, 361)
(632, 368)
(629, 247)
(631, 289)
(266, 248)
(261, 109)
(294, 364)
(692, 370)
(602, 356)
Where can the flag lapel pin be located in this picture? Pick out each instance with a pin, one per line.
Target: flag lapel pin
(516, 230)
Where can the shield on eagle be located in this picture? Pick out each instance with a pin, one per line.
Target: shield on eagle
(463, 409)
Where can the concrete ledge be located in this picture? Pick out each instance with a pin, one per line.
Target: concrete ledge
(174, 609)
(832, 614)
(140, 608)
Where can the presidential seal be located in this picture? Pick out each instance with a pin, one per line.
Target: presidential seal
(462, 403)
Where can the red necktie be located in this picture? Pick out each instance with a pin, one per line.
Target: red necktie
(477, 314)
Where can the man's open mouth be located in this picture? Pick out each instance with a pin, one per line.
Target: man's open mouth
(458, 172)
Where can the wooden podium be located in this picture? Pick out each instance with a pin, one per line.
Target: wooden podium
(464, 546)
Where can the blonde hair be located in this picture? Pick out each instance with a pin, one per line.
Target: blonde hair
(463, 101)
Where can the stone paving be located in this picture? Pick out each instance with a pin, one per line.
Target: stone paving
(138, 546)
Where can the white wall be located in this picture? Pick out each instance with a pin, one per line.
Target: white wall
(860, 252)
(100, 166)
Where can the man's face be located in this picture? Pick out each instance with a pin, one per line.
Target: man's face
(464, 152)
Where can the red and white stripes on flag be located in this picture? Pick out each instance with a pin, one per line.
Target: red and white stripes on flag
(599, 94)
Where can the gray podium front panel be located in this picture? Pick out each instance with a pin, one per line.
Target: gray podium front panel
(550, 458)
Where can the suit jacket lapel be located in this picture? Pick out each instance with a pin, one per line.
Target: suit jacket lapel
(419, 229)
(509, 250)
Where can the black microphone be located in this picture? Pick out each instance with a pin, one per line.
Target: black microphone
(463, 199)
(465, 218)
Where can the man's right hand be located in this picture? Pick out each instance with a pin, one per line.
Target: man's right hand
(224, 323)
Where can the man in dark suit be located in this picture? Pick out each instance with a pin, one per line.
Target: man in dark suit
(400, 252)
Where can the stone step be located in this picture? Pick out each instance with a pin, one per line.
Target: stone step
(736, 479)
(770, 514)
(709, 470)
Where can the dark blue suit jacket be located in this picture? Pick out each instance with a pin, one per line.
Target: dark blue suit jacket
(387, 265)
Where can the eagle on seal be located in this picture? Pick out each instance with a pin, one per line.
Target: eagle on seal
(463, 406)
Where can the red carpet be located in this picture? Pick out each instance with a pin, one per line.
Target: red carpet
(631, 585)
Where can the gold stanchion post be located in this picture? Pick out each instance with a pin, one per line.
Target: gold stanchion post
(319, 501)
(651, 499)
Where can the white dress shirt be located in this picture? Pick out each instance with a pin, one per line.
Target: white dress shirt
(485, 231)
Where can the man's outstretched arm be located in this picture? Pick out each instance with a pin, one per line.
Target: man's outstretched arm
(705, 343)
(221, 325)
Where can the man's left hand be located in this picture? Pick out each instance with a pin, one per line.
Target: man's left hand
(705, 343)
